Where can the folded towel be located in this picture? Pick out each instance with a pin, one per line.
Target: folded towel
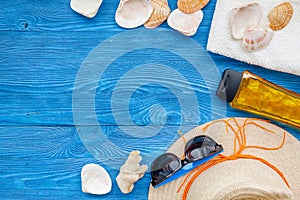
(282, 54)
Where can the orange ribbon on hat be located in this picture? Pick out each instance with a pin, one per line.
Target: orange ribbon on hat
(240, 138)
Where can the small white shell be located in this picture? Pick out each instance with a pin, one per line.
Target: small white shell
(257, 37)
(95, 179)
(131, 172)
(133, 13)
(186, 24)
(87, 8)
(243, 17)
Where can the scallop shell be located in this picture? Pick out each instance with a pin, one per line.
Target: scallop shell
(133, 13)
(186, 24)
(257, 37)
(191, 6)
(280, 16)
(161, 11)
(87, 8)
(243, 17)
(95, 179)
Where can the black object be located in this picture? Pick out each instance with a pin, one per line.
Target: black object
(197, 151)
(229, 84)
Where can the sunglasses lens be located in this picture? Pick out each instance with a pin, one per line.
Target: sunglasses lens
(200, 147)
(163, 167)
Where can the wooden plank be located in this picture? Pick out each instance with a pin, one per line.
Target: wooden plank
(38, 86)
(33, 142)
(56, 179)
(40, 142)
(58, 16)
(44, 91)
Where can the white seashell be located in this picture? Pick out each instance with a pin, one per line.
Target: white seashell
(243, 17)
(186, 24)
(87, 8)
(95, 179)
(257, 37)
(133, 13)
(131, 172)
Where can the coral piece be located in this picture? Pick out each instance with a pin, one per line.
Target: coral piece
(243, 17)
(95, 179)
(160, 13)
(133, 13)
(280, 16)
(191, 6)
(257, 37)
(131, 172)
(186, 24)
(87, 8)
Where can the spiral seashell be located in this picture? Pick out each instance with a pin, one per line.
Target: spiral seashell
(191, 6)
(280, 16)
(161, 11)
(243, 17)
(257, 37)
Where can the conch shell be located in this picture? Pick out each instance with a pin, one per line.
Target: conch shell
(131, 172)
(257, 37)
(95, 179)
(160, 13)
(243, 17)
(87, 8)
(191, 6)
(280, 16)
(186, 24)
(133, 13)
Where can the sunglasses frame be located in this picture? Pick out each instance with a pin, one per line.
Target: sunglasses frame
(186, 164)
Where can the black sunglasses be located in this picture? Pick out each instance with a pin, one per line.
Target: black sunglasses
(169, 167)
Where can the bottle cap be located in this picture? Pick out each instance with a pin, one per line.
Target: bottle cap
(229, 84)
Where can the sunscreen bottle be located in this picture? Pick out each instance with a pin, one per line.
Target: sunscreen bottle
(249, 92)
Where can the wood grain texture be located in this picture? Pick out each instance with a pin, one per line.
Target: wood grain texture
(42, 46)
(55, 179)
(35, 87)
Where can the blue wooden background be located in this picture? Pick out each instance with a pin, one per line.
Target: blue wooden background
(42, 46)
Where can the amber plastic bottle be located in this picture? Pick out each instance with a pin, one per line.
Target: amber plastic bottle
(249, 92)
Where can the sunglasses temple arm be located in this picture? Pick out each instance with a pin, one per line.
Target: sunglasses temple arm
(186, 169)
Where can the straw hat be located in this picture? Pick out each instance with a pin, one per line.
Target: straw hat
(241, 178)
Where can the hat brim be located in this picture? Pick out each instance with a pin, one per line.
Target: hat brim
(242, 177)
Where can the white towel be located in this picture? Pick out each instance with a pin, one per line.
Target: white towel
(282, 54)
